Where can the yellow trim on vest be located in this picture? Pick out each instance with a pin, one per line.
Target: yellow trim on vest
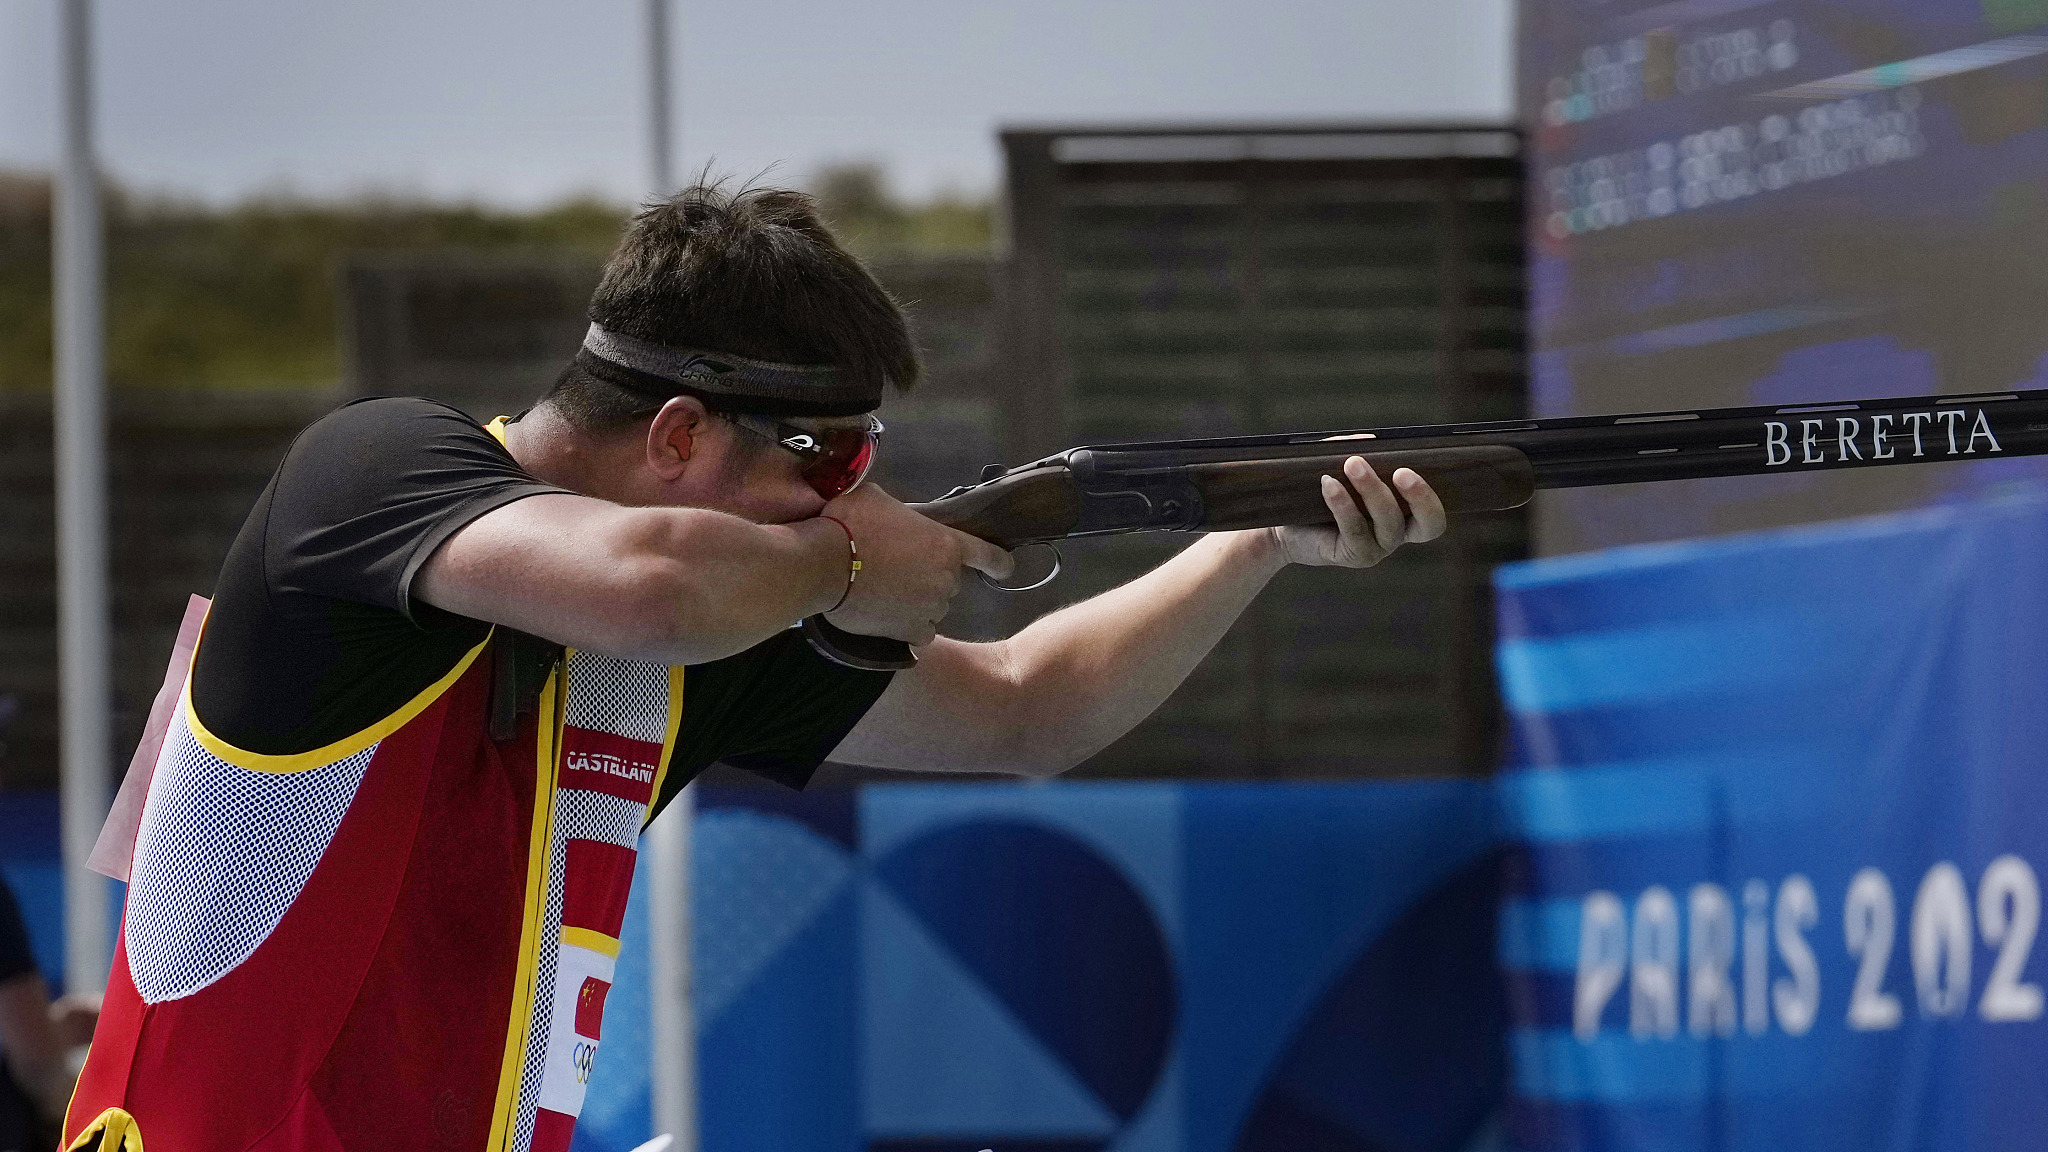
(675, 680)
(668, 740)
(70, 1104)
(595, 941)
(117, 1130)
(340, 749)
(539, 859)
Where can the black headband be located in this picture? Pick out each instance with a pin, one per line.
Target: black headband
(816, 388)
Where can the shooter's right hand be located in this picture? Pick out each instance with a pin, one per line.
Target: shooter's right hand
(911, 567)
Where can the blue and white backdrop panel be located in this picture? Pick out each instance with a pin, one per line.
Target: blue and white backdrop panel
(1147, 968)
(1782, 811)
(1088, 967)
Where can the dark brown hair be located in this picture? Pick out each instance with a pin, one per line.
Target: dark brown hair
(753, 273)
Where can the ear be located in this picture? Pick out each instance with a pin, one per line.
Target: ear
(672, 437)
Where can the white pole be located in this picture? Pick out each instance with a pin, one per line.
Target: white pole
(675, 1030)
(660, 136)
(84, 685)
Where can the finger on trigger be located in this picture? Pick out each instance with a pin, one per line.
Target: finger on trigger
(1389, 523)
(986, 558)
(1426, 508)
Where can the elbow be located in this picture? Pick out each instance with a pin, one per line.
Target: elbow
(1041, 737)
(1064, 727)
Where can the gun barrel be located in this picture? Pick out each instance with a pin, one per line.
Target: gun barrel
(1248, 481)
(1579, 451)
(1796, 438)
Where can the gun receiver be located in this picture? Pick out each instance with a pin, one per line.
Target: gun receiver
(1265, 481)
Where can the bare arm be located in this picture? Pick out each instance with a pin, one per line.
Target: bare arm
(688, 585)
(673, 585)
(1064, 688)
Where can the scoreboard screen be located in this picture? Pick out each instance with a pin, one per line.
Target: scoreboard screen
(1793, 202)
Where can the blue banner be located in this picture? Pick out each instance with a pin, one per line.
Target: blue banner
(1782, 803)
(1056, 968)
(1083, 967)
(31, 864)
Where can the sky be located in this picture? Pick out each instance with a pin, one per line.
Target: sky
(522, 102)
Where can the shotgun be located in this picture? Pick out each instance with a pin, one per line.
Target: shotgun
(1236, 482)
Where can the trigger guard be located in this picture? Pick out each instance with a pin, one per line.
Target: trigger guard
(1057, 562)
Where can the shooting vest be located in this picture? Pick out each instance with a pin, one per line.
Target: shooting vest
(401, 940)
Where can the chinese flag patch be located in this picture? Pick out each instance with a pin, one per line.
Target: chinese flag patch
(590, 1006)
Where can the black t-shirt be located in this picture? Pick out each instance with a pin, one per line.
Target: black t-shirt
(314, 634)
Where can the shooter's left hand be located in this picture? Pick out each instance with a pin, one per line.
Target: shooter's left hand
(1363, 538)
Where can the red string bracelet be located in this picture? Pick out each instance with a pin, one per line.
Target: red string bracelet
(853, 563)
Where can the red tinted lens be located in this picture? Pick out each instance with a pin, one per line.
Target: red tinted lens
(842, 465)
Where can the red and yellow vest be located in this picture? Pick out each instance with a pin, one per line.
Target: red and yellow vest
(401, 940)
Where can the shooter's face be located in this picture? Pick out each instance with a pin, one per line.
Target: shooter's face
(737, 472)
(696, 458)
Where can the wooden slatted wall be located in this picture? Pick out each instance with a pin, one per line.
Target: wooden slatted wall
(1171, 284)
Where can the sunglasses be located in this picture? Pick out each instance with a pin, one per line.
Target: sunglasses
(835, 460)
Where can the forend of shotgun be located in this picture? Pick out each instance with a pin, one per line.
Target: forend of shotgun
(1101, 491)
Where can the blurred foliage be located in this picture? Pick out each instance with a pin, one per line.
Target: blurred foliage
(245, 296)
(198, 296)
(869, 219)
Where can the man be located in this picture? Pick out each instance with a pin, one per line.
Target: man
(450, 672)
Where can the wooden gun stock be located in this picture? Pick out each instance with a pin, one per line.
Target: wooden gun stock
(1269, 493)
